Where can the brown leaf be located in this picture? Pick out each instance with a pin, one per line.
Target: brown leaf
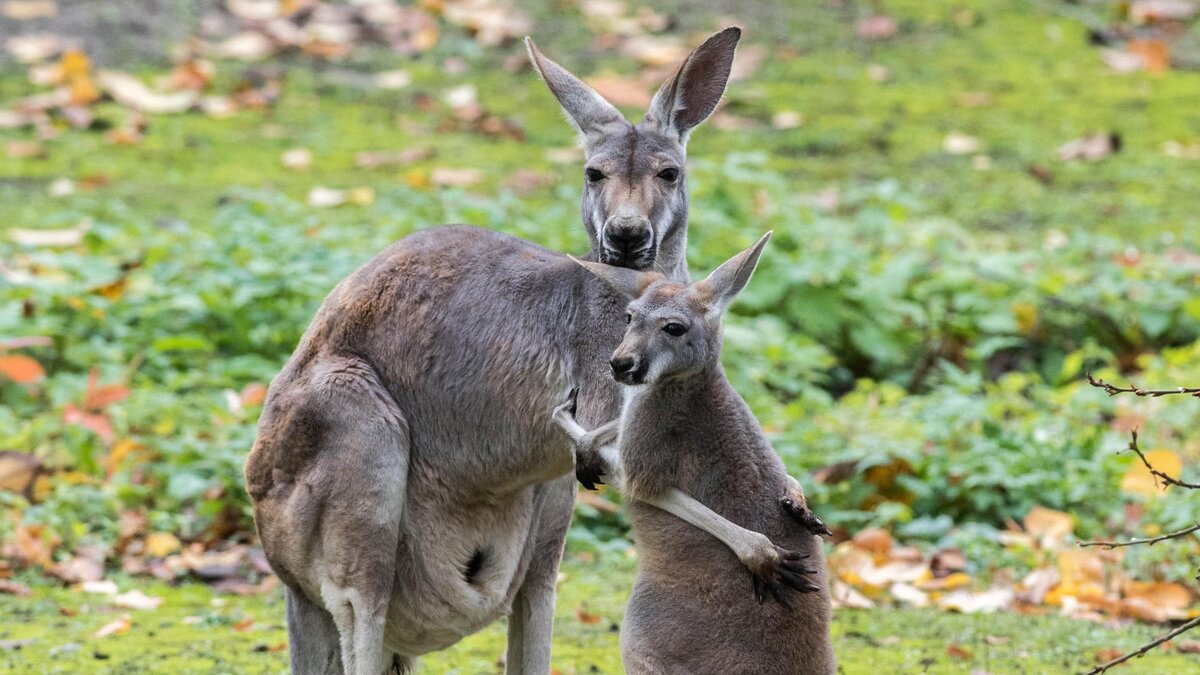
(585, 617)
(19, 470)
(947, 561)
(1171, 597)
(957, 652)
(1188, 646)
(1152, 11)
(99, 397)
(244, 625)
(875, 540)
(1048, 526)
(1106, 654)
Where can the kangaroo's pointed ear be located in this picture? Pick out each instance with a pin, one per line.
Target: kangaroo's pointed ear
(692, 93)
(630, 283)
(586, 110)
(719, 289)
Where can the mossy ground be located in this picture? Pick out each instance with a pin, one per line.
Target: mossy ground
(195, 631)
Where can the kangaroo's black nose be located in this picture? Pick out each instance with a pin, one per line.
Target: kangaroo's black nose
(622, 364)
(627, 236)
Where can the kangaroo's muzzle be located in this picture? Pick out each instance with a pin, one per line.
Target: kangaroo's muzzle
(628, 242)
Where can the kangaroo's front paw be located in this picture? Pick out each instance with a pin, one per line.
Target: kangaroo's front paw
(794, 505)
(589, 468)
(777, 571)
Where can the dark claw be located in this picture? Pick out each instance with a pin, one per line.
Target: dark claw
(573, 397)
(589, 471)
(806, 518)
(759, 591)
(780, 594)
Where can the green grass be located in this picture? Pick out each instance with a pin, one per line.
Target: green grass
(194, 632)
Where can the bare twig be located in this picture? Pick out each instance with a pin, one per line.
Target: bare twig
(1141, 651)
(1158, 475)
(1149, 542)
(1113, 390)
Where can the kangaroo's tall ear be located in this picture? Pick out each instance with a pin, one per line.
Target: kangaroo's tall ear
(630, 283)
(692, 93)
(722, 286)
(587, 111)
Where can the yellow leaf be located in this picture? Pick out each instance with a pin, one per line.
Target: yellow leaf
(1139, 481)
(118, 455)
(161, 544)
(416, 178)
(1026, 315)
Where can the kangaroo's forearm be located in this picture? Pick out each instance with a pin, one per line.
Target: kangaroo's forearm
(744, 543)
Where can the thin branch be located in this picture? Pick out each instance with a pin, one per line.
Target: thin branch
(1141, 651)
(1136, 542)
(1113, 390)
(1158, 475)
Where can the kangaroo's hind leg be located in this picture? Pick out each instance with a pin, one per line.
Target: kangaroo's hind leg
(330, 522)
(531, 624)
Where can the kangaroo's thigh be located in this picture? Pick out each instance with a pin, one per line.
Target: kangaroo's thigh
(331, 523)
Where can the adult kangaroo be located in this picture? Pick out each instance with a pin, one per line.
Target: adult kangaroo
(409, 484)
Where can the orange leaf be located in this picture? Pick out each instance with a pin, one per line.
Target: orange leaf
(1139, 481)
(99, 397)
(957, 652)
(585, 617)
(1169, 596)
(1156, 56)
(875, 540)
(244, 625)
(21, 368)
(116, 627)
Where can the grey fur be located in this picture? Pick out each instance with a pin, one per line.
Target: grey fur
(704, 495)
(409, 485)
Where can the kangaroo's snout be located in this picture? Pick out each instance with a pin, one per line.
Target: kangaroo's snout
(627, 369)
(627, 239)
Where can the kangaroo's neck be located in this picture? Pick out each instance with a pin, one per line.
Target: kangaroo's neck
(681, 405)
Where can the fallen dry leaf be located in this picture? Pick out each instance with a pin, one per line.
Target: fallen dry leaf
(21, 369)
(957, 652)
(11, 587)
(18, 470)
(874, 540)
(297, 158)
(160, 545)
(462, 178)
(1155, 55)
(25, 10)
(1169, 596)
(1139, 481)
(787, 119)
(244, 625)
(844, 595)
(1091, 148)
(1048, 526)
(33, 47)
(371, 159)
(1188, 646)
(876, 27)
(583, 616)
(118, 626)
(1151, 11)
(131, 92)
(968, 602)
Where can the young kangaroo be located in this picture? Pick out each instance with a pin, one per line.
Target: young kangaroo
(693, 462)
(409, 486)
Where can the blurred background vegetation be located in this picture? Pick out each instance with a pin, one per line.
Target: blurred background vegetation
(975, 202)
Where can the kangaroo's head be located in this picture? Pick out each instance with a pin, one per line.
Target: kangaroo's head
(635, 188)
(674, 329)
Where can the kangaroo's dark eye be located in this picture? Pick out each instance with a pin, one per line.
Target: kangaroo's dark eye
(628, 318)
(675, 329)
(669, 175)
(594, 175)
